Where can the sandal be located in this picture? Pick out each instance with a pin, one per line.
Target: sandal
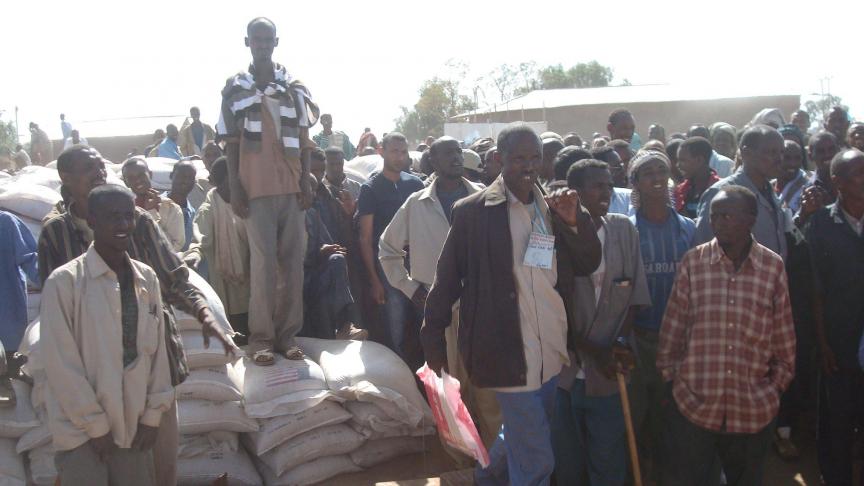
(294, 353)
(263, 357)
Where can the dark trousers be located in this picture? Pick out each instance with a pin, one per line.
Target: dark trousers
(841, 410)
(693, 453)
(327, 298)
(648, 395)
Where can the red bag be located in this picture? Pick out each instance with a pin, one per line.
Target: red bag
(455, 425)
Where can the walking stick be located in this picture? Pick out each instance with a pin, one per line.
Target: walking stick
(631, 435)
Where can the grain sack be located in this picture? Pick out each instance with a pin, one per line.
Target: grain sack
(375, 452)
(29, 200)
(11, 465)
(18, 420)
(201, 416)
(200, 357)
(34, 438)
(30, 347)
(214, 383)
(373, 423)
(310, 473)
(275, 431)
(214, 457)
(195, 445)
(289, 386)
(186, 322)
(324, 441)
(40, 176)
(369, 372)
(43, 471)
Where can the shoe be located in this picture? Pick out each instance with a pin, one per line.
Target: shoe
(349, 331)
(786, 449)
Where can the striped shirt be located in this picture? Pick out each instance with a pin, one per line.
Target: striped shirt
(727, 340)
(241, 109)
(65, 237)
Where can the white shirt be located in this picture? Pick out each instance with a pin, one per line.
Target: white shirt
(82, 351)
(542, 317)
(68, 143)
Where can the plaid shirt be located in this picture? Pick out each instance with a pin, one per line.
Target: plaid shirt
(727, 339)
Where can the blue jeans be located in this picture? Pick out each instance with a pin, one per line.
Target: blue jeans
(396, 312)
(525, 457)
(589, 437)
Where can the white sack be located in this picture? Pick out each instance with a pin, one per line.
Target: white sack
(200, 357)
(11, 465)
(38, 437)
(186, 322)
(43, 471)
(276, 431)
(324, 441)
(220, 458)
(373, 423)
(17, 421)
(369, 372)
(288, 386)
(375, 452)
(200, 416)
(310, 473)
(29, 200)
(195, 445)
(214, 383)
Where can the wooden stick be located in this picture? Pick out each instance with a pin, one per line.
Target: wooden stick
(631, 435)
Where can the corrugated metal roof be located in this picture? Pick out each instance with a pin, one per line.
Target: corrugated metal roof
(651, 93)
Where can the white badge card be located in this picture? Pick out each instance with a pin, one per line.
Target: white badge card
(540, 250)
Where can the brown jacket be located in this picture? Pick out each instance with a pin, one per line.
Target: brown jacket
(476, 266)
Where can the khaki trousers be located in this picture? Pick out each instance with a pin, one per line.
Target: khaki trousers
(123, 467)
(276, 230)
(165, 448)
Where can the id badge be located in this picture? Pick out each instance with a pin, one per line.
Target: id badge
(540, 251)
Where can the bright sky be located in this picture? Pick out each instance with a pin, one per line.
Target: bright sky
(95, 59)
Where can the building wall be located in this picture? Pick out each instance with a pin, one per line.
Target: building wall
(114, 149)
(675, 116)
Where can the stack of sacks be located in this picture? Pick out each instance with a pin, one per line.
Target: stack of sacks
(36, 443)
(210, 405)
(15, 423)
(303, 436)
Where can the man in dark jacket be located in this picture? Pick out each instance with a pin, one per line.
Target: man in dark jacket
(511, 257)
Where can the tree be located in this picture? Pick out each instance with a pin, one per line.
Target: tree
(512, 81)
(818, 108)
(7, 135)
(439, 100)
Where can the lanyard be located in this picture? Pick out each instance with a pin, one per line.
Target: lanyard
(538, 216)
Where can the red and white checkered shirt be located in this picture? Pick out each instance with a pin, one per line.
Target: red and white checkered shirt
(727, 339)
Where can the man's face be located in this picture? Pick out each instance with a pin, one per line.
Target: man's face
(653, 180)
(550, 150)
(326, 122)
(855, 137)
(183, 180)
(395, 155)
(802, 121)
(656, 132)
(822, 150)
(335, 167)
(317, 167)
(114, 223)
(689, 164)
(195, 114)
(851, 185)
(211, 153)
(491, 167)
(172, 133)
(520, 164)
(623, 129)
(596, 191)
(572, 141)
(261, 41)
(791, 163)
(86, 172)
(724, 144)
(617, 169)
(447, 160)
(837, 123)
(765, 160)
(730, 219)
(75, 136)
(137, 178)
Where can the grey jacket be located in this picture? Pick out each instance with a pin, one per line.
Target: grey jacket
(770, 227)
(624, 285)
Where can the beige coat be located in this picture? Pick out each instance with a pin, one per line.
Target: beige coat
(186, 141)
(82, 349)
(421, 224)
(169, 217)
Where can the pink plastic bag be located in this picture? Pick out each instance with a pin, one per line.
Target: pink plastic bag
(455, 425)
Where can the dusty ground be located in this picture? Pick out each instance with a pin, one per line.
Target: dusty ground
(435, 468)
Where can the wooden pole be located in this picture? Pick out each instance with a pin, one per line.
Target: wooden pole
(631, 435)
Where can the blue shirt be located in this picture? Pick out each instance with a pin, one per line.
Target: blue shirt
(662, 247)
(168, 148)
(17, 262)
(620, 203)
(381, 197)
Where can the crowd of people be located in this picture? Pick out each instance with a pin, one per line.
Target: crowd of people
(717, 270)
